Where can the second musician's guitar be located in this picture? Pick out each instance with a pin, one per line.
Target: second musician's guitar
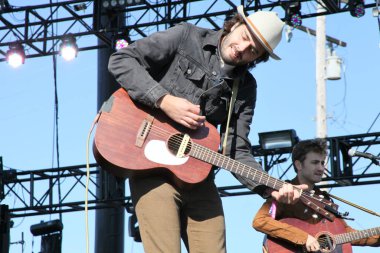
(330, 235)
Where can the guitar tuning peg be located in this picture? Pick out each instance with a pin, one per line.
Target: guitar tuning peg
(321, 196)
(312, 192)
(315, 216)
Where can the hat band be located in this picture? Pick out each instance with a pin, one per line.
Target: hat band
(259, 34)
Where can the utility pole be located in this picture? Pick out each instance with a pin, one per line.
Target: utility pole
(320, 56)
(321, 130)
(321, 124)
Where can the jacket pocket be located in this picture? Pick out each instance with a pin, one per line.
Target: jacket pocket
(190, 78)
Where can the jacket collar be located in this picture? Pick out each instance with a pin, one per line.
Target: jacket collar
(213, 39)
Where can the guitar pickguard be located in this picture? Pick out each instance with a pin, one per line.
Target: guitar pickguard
(156, 151)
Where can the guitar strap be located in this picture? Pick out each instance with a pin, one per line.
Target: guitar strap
(235, 87)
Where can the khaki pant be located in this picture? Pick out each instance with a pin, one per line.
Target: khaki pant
(165, 212)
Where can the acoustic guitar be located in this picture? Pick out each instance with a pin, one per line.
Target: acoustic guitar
(132, 138)
(330, 235)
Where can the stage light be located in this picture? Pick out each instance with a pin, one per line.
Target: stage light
(15, 55)
(121, 43)
(278, 140)
(51, 235)
(4, 5)
(292, 12)
(120, 4)
(80, 7)
(121, 40)
(357, 8)
(68, 48)
(295, 19)
(47, 227)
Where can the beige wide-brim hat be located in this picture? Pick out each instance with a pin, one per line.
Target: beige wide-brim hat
(266, 26)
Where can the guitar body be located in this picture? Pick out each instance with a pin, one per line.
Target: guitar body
(121, 147)
(319, 230)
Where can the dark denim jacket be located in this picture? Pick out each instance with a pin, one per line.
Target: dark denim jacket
(183, 61)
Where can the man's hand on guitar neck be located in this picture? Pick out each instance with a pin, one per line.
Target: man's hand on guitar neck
(288, 193)
(181, 111)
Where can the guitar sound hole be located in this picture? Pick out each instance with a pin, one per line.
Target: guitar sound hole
(175, 142)
(326, 243)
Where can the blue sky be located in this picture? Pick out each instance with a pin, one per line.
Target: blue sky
(286, 100)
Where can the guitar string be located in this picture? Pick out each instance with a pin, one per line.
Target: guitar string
(352, 236)
(247, 170)
(329, 241)
(305, 195)
(177, 140)
(265, 178)
(326, 242)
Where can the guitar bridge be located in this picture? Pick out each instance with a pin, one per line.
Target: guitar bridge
(143, 131)
(183, 146)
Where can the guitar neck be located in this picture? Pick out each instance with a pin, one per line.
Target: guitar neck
(356, 235)
(217, 159)
(316, 203)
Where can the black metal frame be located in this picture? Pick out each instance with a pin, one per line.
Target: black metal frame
(33, 30)
(22, 186)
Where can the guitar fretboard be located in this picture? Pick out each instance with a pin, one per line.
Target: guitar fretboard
(356, 235)
(234, 166)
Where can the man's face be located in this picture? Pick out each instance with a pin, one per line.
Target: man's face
(239, 47)
(310, 171)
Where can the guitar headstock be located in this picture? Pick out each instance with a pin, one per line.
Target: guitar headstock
(320, 205)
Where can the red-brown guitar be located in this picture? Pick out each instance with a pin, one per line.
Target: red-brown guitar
(132, 138)
(330, 235)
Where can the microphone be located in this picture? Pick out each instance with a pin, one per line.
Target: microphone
(353, 152)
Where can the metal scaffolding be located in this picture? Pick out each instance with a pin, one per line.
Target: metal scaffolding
(31, 25)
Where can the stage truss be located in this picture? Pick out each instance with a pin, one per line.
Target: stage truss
(40, 28)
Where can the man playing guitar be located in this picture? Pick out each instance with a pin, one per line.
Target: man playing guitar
(293, 228)
(188, 73)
